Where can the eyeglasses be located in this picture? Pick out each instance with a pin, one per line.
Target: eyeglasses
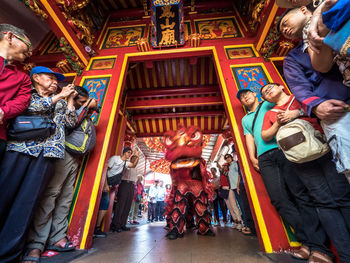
(22, 39)
(267, 90)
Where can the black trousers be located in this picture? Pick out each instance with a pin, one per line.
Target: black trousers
(151, 211)
(220, 201)
(124, 200)
(23, 180)
(2, 148)
(160, 210)
(292, 201)
(244, 205)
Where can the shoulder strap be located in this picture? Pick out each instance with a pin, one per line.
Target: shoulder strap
(256, 115)
(290, 103)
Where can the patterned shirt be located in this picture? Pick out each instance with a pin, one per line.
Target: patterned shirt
(53, 146)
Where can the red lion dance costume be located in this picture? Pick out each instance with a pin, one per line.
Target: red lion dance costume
(191, 187)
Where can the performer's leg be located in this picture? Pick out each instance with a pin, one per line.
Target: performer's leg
(177, 216)
(203, 216)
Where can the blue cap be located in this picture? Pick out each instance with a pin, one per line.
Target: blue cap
(243, 90)
(40, 69)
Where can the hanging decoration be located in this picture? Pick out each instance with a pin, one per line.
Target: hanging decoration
(195, 40)
(227, 135)
(129, 139)
(156, 143)
(64, 66)
(160, 166)
(167, 23)
(284, 48)
(143, 45)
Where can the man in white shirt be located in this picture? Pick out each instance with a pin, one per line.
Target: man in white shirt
(152, 202)
(116, 165)
(160, 197)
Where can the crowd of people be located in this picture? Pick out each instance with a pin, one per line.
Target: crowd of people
(308, 188)
(38, 170)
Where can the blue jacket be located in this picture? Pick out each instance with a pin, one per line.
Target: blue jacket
(309, 86)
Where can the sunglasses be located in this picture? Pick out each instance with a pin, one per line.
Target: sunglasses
(226, 157)
(21, 38)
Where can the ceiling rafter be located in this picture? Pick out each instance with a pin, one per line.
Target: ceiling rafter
(176, 102)
(180, 91)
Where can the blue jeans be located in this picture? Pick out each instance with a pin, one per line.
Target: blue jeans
(292, 201)
(331, 195)
(159, 210)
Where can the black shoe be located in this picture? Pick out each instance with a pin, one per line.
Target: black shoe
(208, 233)
(124, 228)
(99, 233)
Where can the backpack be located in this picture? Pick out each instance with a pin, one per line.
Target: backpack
(82, 139)
(300, 141)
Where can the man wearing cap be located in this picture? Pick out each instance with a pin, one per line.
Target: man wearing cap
(273, 166)
(28, 165)
(50, 222)
(116, 165)
(14, 84)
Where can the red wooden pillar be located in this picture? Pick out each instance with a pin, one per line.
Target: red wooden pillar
(271, 232)
(86, 205)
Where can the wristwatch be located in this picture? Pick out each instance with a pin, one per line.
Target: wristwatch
(301, 112)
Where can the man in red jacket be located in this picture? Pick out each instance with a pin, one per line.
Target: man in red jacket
(15, 86)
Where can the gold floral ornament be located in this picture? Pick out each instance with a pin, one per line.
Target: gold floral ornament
(64, 66)
(143, 45)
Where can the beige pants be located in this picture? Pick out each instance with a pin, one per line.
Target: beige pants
(134, 211)
(50, 220)
(232, 207)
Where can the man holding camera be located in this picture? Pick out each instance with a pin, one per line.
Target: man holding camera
(50, 221)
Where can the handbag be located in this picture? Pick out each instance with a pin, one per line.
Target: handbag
(115, 179)
(30, 127)
(138, 198)
(223, 193)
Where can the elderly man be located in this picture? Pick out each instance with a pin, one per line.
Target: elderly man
(28, 164)
(14, 84)
(50, 221)
(126, 187)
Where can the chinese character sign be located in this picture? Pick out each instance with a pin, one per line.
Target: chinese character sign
(167, 23)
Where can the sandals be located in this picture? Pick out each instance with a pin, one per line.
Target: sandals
(319, 257)
(67, 247)
(302, 253)
(246, 231)
(30, 258)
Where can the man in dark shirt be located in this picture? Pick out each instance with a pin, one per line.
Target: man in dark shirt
(15, 86)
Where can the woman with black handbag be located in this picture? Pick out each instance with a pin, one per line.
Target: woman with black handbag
(28, 164)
